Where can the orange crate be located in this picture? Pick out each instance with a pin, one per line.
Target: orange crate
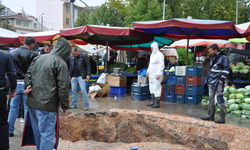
(180, 89)
(194, 80)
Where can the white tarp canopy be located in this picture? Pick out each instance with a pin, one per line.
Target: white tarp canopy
(88, 49)
(8, 37)
(169, 52)
(201, 42)
(243, 26)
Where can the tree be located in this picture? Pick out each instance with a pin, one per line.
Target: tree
(1, 7)
(216, 10)
(175, 7)
(83, 18)
(6, 24)
(121, 7)
(146, 10)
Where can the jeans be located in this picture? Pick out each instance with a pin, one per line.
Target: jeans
(82, 82)
(43, 125)
(4, 126)
(14, 107)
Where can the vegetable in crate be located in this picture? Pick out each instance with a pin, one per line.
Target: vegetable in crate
(217, 111)
(241, 90)
(246, 67)
(231, 90)
(244, 106)
(231, 101)
(239, 96)
(240, 64)
(228, 110)
(244, 71)
(234, 107)
(232, 96)
(237, 112)
(247, 100)
(130, 70)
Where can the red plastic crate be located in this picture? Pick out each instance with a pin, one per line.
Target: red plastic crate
(179, 88)
(194, 80)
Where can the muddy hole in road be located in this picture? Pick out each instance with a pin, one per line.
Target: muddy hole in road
(131, 126)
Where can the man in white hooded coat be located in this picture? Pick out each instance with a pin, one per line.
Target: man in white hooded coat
(155, 74)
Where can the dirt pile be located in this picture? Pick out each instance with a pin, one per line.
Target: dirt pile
(131, 126)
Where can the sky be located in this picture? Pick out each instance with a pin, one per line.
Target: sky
(29, 6)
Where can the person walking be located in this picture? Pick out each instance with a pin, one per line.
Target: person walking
(218, 72)
(79, 72)
(21, 59)
(155, 74)
(6, 66)
(44, 98)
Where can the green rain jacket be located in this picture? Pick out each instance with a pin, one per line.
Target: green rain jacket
(49, 79)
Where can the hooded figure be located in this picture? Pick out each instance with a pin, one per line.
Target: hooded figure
(47, 83)
(155, 74)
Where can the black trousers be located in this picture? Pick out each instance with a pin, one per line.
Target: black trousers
(4, 126)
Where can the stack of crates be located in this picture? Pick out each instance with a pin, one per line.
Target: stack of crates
(194, 81)
(180, 81)
(139, 92)
(169, 93)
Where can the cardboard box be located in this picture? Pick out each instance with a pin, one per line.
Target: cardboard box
(105, 89)
(116, 81)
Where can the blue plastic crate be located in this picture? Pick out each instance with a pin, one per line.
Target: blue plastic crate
(169, 88)
(193, 90)
(193, 99)
(139, 88)
(194, 71)
(180, 80)
(139, 97)
(169, 97)
(117, 90)
(170, 80)
(180, 98)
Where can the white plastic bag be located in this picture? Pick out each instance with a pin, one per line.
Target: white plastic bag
(94, 88)
(102, 78)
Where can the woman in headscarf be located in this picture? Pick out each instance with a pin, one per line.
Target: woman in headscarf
(155, 74)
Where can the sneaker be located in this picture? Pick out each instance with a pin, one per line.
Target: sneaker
(86, 109)
(21, 120)
(72, 107)
(11, 134)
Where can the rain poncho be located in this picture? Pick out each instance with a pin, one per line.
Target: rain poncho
(156, 67)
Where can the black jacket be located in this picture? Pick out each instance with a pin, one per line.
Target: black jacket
(6, 65)
(93, 66)
(142, 63)
(21, 58)
(83, 64)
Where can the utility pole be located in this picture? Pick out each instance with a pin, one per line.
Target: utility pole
(72, 13)
(163, 10)
(42, 23)
(236, 12)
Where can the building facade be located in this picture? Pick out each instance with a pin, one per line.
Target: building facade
(56, 13)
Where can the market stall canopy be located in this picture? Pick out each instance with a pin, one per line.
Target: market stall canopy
(201, 42)
(162, 41)
(94, 34)
(8, 37)
(169, 52)
(88, 49)
(191, 29)
(239, 40)
(41, 37)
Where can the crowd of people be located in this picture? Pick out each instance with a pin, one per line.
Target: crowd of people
(63, 64)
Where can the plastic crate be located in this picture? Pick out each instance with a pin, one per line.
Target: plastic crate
(193, 90)
(180, 98)
(236, 75)
(169, 88)
(139, 97)
(194, 80)
(170, 80)
(244, 76)
(117, 90)
(169, 97)
(180, 70)
(139, 88)
(194, 70)
(179, 88)
(180, 80)
(193, 99)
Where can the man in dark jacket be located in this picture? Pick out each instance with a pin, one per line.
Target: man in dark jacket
(142, 62)
(21, 59)
(93, 65)
(6, 66)
(79, 72)
(47, 95)
(218, 72)
(46, 49)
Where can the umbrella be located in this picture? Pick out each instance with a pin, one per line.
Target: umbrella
(42, 37)
(201, 42)
(235, 58)
(8, 37)
(191, 29)
(169, 52)
(106, 36)
(162, 41)
(239, 40)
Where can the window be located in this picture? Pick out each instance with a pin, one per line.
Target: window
(35, 25)
(19, 22)
(9, 21)
(67, 21)
(67, 9)
(26, 24)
